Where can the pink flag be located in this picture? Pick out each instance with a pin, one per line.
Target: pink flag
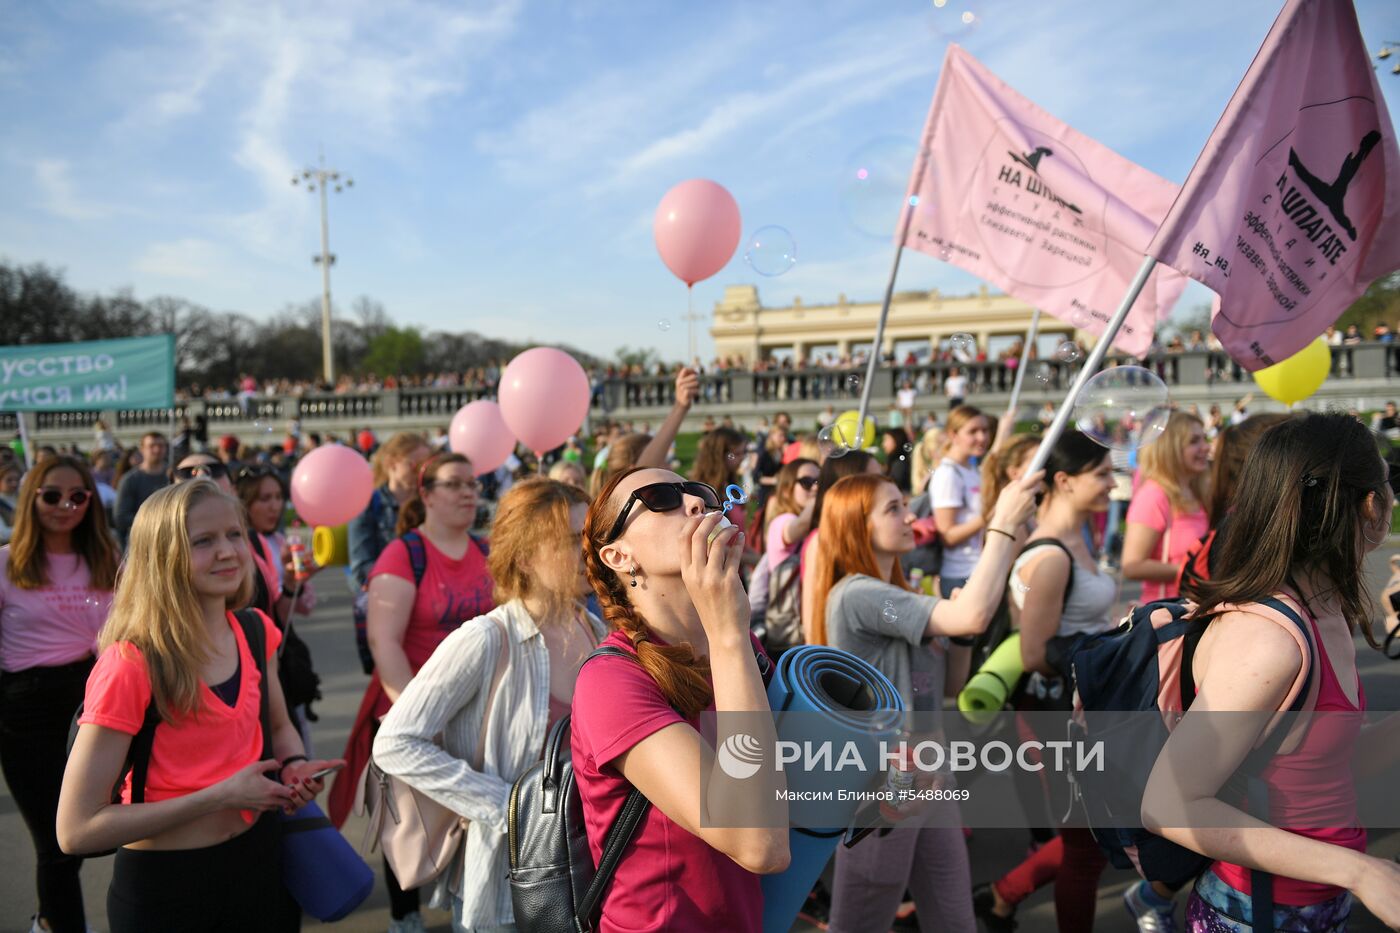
(1016, 197)
(1293, 207)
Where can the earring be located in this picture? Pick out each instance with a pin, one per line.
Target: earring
(634, 577)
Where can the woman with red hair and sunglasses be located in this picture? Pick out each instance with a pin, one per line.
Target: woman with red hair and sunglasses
(409, 616)
(56, 580)
(864, 605)
(666, 571)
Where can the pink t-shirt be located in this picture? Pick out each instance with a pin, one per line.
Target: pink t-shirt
(196, 750)
(1151, 507)
(774, 546)
(452, 592)
(668, 879)
(55, 625)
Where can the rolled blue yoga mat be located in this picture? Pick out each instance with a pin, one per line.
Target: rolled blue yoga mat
(856, 704)
(320, 868)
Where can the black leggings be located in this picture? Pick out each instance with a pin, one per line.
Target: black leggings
(232, 887)
(36, 708)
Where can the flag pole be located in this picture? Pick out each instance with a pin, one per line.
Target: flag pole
(906, 218)
(24, 441)
(1025, 359)
(1091, 365)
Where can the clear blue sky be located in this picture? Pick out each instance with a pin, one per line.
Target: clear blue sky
(508, 157)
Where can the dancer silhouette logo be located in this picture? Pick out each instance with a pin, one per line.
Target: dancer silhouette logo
(1332, 194)
(740, 756)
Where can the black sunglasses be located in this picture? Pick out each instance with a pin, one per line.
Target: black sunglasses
(212, 470)
(663, 497)
(808, 482)
(255, 471)
(77, 498)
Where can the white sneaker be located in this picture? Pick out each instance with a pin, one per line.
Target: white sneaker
(413, 923)
(1149, 919)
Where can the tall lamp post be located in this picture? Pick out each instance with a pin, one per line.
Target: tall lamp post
(317, 180)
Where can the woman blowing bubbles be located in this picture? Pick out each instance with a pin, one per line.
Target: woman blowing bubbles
(674, 600)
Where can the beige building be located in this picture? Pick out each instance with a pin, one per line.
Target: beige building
(918, 322)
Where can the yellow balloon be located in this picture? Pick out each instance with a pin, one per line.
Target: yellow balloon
(330, 546)
(1299, 376)
(844, 430)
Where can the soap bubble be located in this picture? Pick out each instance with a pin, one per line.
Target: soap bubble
(874, 182)
(1123, 408)
(1080, 318)
(771, 251)
(261, 427)
(1044, 374)
(829, 443)
(1068, 352)
(838, 439)
(853, 382)
(955, 20)
(908, 448)
(964, 347)
(889, 613)
(663, 325)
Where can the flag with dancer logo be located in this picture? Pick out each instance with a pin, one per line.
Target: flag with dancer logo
(1293, 207)
(1013, 195)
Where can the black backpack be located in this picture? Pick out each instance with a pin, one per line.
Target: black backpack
(554, 885)
(999, 629)
(138, 754)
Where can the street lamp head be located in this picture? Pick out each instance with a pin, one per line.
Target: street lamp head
(1384, 52)
(296, 180)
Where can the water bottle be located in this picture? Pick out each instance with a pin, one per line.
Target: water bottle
(296, 543)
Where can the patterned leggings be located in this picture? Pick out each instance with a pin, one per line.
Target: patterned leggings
(1215, 907)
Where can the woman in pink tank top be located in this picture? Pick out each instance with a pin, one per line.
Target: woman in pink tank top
(1313, 500)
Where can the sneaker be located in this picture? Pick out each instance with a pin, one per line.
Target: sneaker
(984, 907)
(413, 923)
(1149, 918)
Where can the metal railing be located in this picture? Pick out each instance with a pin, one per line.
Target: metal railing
(1360, 369)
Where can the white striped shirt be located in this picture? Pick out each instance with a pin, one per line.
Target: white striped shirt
(447, 698)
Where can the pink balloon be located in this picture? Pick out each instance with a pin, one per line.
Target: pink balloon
(479, 432)
(697, 229)
(331, 485)
(543, 397)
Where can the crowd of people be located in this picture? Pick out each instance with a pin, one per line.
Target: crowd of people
(154, 594)
(965, 349)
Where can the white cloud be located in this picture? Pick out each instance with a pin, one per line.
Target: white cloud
(271, 70)
(190, 258)
(54, 178)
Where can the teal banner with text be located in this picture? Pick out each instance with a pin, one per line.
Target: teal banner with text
(137, 372)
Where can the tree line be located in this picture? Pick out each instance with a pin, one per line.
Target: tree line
(216, 348)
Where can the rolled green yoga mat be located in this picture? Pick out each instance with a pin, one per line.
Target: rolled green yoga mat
(988, 689)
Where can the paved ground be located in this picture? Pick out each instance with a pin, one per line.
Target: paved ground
(332, 644)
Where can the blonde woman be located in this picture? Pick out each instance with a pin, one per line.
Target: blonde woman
(927, 453)
(200, 848)
(395, 466)
(1167, 515)
(540, 583)
(956, 493)
(1003, 465)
